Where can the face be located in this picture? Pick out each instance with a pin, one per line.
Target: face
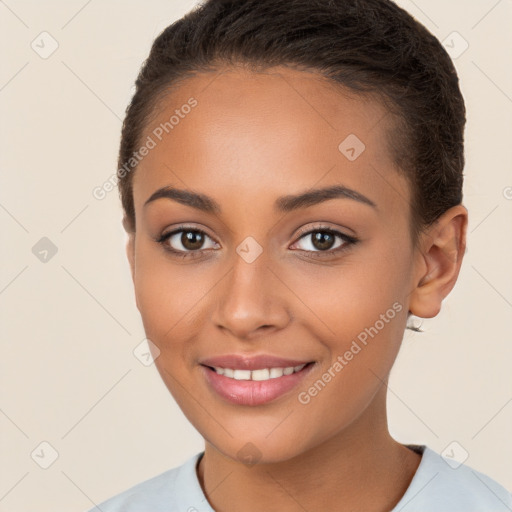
(232, 271)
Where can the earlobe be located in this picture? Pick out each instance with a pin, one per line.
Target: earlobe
(442, 250)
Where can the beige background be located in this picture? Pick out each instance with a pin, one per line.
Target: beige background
(68, 375)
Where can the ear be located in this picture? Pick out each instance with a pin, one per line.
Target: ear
(441, 249)
(130, 252)
(130, 246)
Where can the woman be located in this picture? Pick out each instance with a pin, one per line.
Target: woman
(291, 178)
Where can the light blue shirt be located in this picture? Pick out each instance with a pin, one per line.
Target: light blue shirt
(435, 487)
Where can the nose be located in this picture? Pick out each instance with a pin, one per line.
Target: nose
(252, 301)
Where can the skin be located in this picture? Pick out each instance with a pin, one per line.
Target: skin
(251, 139)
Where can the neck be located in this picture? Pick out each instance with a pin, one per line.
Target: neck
(361, 468)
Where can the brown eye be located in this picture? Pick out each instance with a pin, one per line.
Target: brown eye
(192, 240)
(186, 240)
(323, 242)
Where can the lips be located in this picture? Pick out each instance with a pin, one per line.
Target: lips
(255, 380)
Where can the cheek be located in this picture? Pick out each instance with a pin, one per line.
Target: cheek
(360, 359)
(344, 298)
(168, 300)
(168, 294)
(359, 314)
(174, 300)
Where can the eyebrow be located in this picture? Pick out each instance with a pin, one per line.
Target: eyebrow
(286, 203)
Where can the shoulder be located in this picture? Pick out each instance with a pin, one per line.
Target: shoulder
(176, 489)
(443, 485)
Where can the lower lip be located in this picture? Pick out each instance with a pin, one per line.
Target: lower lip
(253, 392)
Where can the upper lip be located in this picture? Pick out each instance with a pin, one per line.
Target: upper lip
(244, 362)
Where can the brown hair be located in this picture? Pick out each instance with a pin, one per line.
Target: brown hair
(368, 46)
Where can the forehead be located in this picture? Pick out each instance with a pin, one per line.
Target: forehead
(251, 137)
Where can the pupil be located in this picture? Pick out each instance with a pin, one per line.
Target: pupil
(323, 240)
(192, 240)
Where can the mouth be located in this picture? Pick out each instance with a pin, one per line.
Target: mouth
(256, 386)
(261, 374)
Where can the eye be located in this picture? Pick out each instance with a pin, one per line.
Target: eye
(184, 240)
(325, 241)
(188, 242)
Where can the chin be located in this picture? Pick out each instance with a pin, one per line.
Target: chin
(260, 445)
(260, 451)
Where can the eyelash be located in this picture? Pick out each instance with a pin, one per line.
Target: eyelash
(349, 242)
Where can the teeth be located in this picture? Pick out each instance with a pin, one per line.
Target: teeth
(261, 374)
(242, 374)
(276, 372)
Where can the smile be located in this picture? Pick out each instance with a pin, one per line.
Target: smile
(260, 374)
(254, 386)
